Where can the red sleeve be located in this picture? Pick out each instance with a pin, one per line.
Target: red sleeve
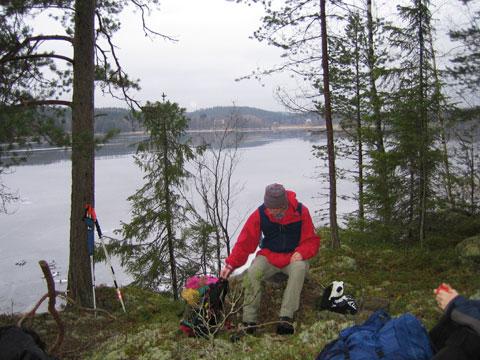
(309, 240)
(247, 241)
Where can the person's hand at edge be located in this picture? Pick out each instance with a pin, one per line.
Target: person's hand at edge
(296, 257)
(226, 271)
(444, 296)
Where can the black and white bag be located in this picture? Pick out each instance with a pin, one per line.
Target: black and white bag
(334, 299)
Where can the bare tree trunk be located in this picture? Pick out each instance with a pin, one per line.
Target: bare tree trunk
(83, 151)
(411, 201)
(361, 210)
(423, 128)
(218, 246)
(472, 174)
(168, 207)
(374, 99)
(443, 129)
(446, 160)
(216, 208)
(329, 125)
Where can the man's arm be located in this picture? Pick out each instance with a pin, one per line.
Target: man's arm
(466, 312)
(309, 240)
(460, 309)
(247, 242)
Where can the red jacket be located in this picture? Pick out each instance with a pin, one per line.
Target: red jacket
(249, 237)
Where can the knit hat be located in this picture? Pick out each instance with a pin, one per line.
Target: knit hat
(275, 197)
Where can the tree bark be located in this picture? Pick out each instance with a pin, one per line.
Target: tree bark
(443, 127)
(361, 209)
(83, 151)
(375, 101)
(329, 125)
(169, 210)
(423, 128)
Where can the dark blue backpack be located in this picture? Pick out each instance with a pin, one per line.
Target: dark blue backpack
(380, 337)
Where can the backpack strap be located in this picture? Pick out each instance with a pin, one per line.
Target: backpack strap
(299, 208)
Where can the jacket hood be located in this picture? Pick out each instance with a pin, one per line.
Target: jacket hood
(292, 199)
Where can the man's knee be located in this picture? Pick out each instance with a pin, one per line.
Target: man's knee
(298, 267)
(255, 273)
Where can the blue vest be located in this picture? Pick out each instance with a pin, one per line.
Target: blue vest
(277, 237)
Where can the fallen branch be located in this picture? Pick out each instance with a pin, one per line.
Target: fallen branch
(72, 302)
(52, 295)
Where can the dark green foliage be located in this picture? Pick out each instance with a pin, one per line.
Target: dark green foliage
(348, 74)
(27, 72)
(199, 236)
(409, 162)
(26, 75)
(377, 197)
(153, 251)
(466, 62)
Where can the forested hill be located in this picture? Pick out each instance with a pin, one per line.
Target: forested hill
(122, 119)
(246, 117)
(242, 117)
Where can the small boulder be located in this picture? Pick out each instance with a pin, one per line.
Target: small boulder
(475, 295)
(469, 249)
(345, 263)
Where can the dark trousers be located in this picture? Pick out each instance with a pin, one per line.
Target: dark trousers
(451, 341)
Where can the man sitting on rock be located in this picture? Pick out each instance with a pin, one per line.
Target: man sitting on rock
(283, 229)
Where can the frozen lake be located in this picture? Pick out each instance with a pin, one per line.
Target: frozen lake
(38, 226)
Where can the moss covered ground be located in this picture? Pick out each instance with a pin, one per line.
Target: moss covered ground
(398, 277)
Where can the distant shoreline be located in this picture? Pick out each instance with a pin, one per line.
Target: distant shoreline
(314, 129)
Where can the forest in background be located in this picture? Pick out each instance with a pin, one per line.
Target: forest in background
(124, 120)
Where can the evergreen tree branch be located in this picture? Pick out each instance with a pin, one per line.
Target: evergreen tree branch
(44, 102)
(36, 56)
(123, 82)
(37, 40)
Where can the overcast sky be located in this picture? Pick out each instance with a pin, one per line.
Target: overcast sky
(199, 70)
(214, 48)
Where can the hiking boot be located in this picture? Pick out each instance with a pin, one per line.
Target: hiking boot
(250, 328)
(285, 327)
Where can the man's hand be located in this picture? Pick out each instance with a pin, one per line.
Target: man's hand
(226, 271)
(444, 296)
(296, 257)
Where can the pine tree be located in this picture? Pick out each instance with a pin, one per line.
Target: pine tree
(410, 118)
(153, 250)
(349, 89)
(32, 77)
(378, 180)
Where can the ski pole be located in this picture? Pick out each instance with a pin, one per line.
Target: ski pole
(91, 246)
(107, 257)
